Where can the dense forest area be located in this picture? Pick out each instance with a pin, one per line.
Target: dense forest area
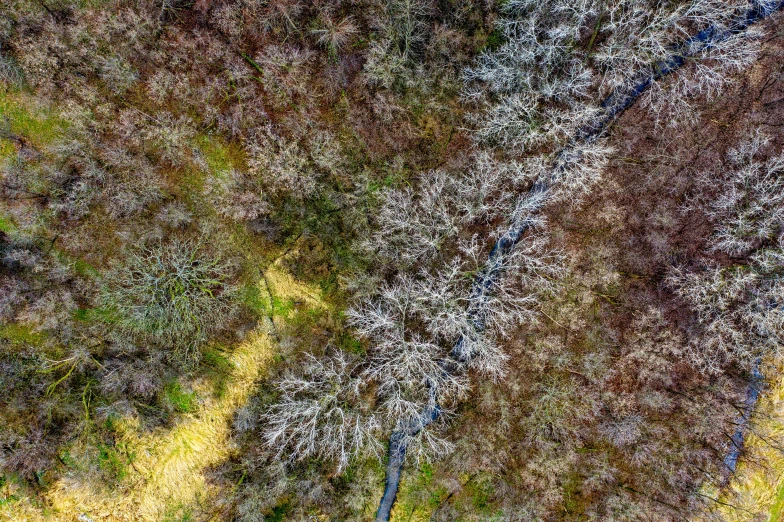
(267, 260)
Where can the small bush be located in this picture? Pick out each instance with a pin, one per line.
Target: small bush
(10, 73)
(174, 295)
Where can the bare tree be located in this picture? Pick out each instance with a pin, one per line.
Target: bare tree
(175, 294)
(750, 208)
(719, 297)
(408, 367)
(416, 225)
(319, 414)
(739, 307)
(579, 167)
(537, 88)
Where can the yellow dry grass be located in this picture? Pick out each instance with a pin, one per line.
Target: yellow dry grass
(169, 467)
(756, 491)
(283, 286)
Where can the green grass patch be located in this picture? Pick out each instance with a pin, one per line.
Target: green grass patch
(84, 269)
(252, 297)
(278, 513)
(8, 499)
(375, 186)
(87, 4)
(350, 344)
(114, 460)
(67, 460)
(39, 125)
(6, 225)
(481, 492)
(89, 315)
(419, 496)
(260, 302)
(190, 187)
(280, 307)
(494, 40)
(178, 513)
(571, 494)
(180, 400)
(777, 509)
(217, 367)
(219, 155)
(9, 482)
(217, 361)
(17, 334)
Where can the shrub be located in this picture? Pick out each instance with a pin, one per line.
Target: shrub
(335, 36)
(10, 73)
(281, 165)
(407, 25)
(117, 74)
(238, 195)
(175, 215)
(175, 295)
(403, 28)
(170, 136)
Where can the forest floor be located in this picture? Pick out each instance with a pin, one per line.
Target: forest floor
(598, 405)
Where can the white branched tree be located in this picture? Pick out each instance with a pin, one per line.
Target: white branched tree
(416, 225)
(750, 209)
(579, 167)
(443, 317)
(740, 308)
(319, 414)
(540, 87)
(443, 302)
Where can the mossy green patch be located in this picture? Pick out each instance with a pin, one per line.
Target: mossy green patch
(6, 225)
(252, 297)
(83, 314)
(85, 269)
(180, 400)
(481, 491)
(217, 361)
(178, 513)
(350, 344)
(418, 496)
(219, 155)
(8, 499)
(494, 40)
(571, 494)
(11, 487)
(38, 125)
(17, 334)
(67, 459)
(218, 368)
(777, 509)
(279, 513)
(114, 460)
(278, 307)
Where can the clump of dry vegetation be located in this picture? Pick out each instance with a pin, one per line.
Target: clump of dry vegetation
(172, 295)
